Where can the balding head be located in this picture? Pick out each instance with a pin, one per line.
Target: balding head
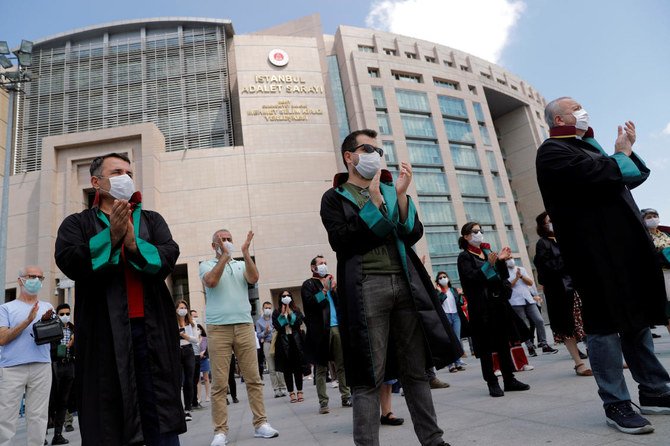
(552, 110)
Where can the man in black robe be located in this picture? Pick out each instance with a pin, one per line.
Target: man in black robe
(610, 257)
(127, 366)
(387, 303)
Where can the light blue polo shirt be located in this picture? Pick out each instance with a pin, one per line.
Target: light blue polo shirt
(228, 302)
(22, 350)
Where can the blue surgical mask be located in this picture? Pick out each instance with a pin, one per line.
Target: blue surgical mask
(32, 286)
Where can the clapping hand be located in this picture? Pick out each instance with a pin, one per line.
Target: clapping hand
(247, 243)
(118, 221)
(375, 191)
(404, 178)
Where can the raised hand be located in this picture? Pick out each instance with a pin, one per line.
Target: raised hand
(623, 141)
(247, 243)
(505, 253)
(404, 178)
(492, 258)
(375, 191)
(129, 239)
(118, 220)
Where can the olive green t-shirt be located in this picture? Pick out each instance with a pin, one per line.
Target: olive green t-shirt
(383, 259)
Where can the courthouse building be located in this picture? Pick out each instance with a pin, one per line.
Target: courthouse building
(243, 131)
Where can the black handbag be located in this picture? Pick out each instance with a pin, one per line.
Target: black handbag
(47, 331)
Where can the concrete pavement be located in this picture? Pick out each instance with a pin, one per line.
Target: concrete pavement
(559, 409)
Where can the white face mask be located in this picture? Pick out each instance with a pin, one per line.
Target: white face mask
(121, 187)
(286, 300)
(582, 118)
(368, 164)
(322, 270)
(443, 281)
(652, 223)
(510, 263)
(267, 312)
(182, 312)
(477, 238)
(229, 246)
(65, 318)
(550, 227)
(195, 320)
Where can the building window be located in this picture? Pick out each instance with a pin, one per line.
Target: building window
(373, 72)
(478, 209)
(430, 180)
(389, 152)
(448, 264)
(448, 63)
(511, 239)
(458, 131)
(180, 283)
(497, 183)
(417, 126)
(411, 55)
(464, 156)
(491, 235)
(378, 97)
(430, 59)
(479, 111)
(465, 68)
(471, 183)
(338, 96)
(442, 240)
(452, 85)
(514, 87)
(412, 100)
(454, 107)
(437, 211)
(366, 48)
(424, 152)
(484, 132)
(501, 81)
(472, 89)
(407, 77)
(486, 75)
(390, 52)
(504, 210)
(545, 135)
(491, 158)
(384, 123)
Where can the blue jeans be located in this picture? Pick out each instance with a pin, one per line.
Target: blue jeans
(638, 351)
(455, 322)
(532, 312)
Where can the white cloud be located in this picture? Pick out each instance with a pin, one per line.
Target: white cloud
(479, 27)
(666, 130)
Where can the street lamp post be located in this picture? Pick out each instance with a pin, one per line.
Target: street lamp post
(11, 81)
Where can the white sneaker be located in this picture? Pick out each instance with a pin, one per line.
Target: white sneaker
(266, 431)
(497, 373)
(527, 367)
(219, 440)
(334, 384)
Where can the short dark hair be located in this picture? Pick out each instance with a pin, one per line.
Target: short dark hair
(313, 262)
(465, 230)
(193, 311)
(349, 143)
(62, 307)
(541, 228)
(266, 303)
(96, 164)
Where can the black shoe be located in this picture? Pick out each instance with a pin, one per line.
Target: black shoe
(235, 400)
(494, 390)
(58, 439)
(582, 355)
(621, 416)
(387, 420)
(514, 385)
(655, 336)
(531, 351)
(346, 403)
(187, 416)
(549, 349)
(655, 405)
(69, 428)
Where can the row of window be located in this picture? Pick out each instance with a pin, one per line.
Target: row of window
(412, 55)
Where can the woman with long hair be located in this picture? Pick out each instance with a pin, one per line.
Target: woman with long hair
(493, 323)
(563, 304)
(289, 357)
(451, 300)
(188, 334)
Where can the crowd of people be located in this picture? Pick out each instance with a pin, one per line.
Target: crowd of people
(136, 364)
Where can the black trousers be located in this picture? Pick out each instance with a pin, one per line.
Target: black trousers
(196, 380)
(187, 359)
(61, 386)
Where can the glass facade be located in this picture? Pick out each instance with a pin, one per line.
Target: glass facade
(478, 209)
(442, 240)
(511, 239)
(378, 97)
(484, 132)
(471, 183)
(491, 158)
(504, 210)
(464, 156)
(497, 183)
(458, 131)
(384, 123)
(412, 100)
(338, 97)
(479, 112)
(430, 180)
(452, 106)
(389, 152)
(175, 77)
(424, 152)
(437, 211)
(417, 126)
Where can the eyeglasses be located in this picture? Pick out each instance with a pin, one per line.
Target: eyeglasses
(64, 314)
(476, 232)
(33, 276)
(369, 148)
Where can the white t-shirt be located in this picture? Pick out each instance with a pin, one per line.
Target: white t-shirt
(521, 293)
(449, 304)
(22, 350)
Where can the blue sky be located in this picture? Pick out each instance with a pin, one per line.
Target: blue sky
(611, 55)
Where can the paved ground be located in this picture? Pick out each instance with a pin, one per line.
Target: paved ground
(560, 409)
